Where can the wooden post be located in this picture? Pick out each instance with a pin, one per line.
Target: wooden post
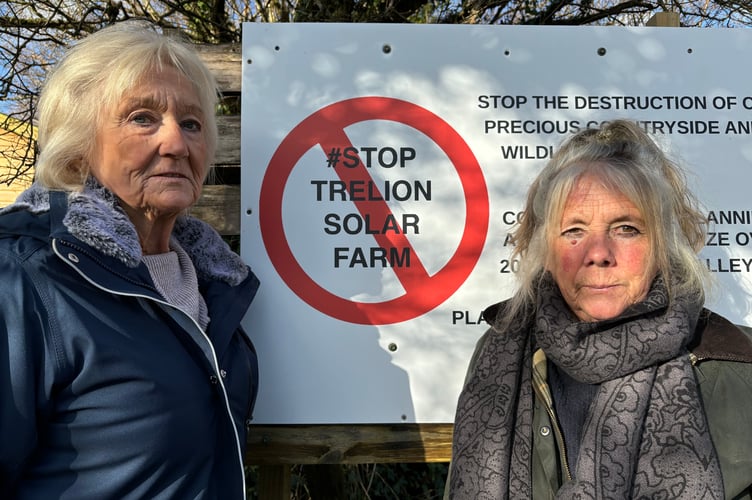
(665, 19)
(349, 444)
(274, 482)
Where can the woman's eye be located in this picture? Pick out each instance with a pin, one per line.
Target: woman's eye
(193, 125)
(142, 119)
(573, 232)
(626, 230)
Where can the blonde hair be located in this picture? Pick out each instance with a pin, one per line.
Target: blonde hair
(93, 76)
(626, 160)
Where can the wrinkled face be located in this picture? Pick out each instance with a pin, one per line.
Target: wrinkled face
(151, 148)
(600, 257)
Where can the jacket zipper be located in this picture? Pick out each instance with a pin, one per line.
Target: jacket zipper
(540, 386)
(560, 440)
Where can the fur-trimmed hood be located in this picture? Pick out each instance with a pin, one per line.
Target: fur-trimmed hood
(95, 217)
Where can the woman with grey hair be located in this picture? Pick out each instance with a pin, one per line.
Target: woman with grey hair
(124, 369)
(604, 376)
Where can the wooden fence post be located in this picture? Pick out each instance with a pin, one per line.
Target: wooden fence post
(665, 19)
(274, 482)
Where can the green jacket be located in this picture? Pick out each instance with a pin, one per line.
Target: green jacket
(722, 358)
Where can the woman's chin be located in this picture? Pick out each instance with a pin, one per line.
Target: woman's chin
(600, 312)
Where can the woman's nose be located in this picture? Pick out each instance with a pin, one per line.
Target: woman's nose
(599, 250)
(173, 141)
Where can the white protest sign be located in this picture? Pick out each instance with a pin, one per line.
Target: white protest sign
(383, 167)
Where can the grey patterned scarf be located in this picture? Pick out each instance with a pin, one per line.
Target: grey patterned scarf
(646, 435)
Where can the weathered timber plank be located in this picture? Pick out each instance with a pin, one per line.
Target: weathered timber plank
(219, 206)
(274, 482)
(665, 19)
(228, 146)
(224, 61)
(349, 444)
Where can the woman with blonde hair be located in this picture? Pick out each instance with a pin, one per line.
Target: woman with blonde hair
(124, 369)
(604, 376)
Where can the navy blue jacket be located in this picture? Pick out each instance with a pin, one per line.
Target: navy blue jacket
(107, 391)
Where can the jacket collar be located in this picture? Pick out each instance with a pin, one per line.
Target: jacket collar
(94, 217)
(718, 338)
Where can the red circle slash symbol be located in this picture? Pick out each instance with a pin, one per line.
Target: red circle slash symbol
(423, 292)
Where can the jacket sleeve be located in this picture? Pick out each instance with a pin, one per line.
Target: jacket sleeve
(25, 368)
(726, 388)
